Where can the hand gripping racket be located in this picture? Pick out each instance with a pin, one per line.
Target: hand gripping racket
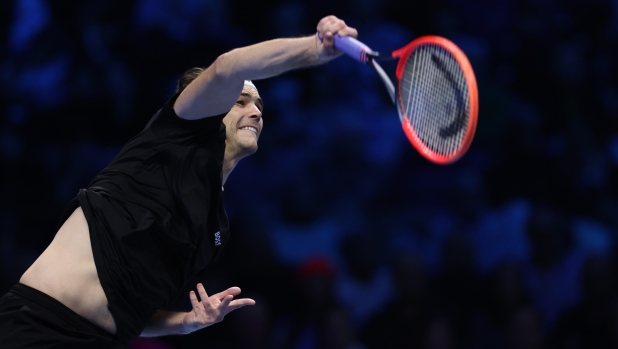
(436, 95)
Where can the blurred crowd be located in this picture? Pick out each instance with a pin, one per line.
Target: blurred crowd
(344, 235)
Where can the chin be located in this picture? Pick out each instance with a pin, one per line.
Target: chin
(249, 149)
(252, 150)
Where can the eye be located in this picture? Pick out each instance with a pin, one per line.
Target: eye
(240, 102)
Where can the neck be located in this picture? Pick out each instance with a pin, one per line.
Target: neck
(230, 160)
(228, 167)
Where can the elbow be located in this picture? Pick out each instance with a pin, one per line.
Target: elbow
(226, 73)
(223, 67)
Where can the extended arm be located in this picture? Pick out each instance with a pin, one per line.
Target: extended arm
(206, 312)
(216, 90)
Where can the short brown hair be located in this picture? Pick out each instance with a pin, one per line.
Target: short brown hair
(187, 77)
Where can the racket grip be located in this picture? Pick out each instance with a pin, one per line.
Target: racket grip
(352, 47)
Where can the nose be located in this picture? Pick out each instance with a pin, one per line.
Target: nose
(255, 113)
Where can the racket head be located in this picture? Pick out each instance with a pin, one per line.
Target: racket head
(437, 98)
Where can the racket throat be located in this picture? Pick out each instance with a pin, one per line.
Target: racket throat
(385, 79)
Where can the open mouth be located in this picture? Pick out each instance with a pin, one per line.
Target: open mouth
(250, 128)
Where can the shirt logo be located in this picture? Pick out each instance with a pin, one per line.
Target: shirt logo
(218, 238)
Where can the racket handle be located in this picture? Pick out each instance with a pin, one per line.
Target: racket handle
(352, 47)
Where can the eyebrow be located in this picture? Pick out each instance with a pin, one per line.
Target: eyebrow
(259, 100)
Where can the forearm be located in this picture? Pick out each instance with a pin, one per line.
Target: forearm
(269, 58)
(217, 88)
(164, 323)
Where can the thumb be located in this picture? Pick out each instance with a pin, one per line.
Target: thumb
(329, 39)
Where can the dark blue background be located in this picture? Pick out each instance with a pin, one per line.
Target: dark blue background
(342, 232)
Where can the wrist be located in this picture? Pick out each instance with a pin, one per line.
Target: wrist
(318, 46)
(189, 323)
(164, 323)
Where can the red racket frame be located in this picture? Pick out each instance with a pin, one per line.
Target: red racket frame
(402, 54)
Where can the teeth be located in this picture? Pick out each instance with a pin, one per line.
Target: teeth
(249, 128)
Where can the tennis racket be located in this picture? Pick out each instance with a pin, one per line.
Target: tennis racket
(436, 95)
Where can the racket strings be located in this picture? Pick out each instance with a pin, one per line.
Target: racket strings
(434, 96)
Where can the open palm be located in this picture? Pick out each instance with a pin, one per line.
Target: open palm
(212, 309)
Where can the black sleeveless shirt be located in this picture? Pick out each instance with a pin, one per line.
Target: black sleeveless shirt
(156, 215)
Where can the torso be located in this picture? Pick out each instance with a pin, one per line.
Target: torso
(168, 172)
(66, 271)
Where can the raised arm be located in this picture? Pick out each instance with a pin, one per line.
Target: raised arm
(216, 90)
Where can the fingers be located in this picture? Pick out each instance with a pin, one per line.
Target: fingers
(348, 31)
(217, 298)
(225, 302)
(213, 309)
(239, 303)
(225, 298)
(233, 291)
(329, 39)
(194, 302)
(331, 25)
(202, 292)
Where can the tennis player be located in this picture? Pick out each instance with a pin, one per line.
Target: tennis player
(153, 220)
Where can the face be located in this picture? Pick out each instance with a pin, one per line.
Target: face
(243, 124)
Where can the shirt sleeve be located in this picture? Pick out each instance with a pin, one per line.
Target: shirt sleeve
(171, 128)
